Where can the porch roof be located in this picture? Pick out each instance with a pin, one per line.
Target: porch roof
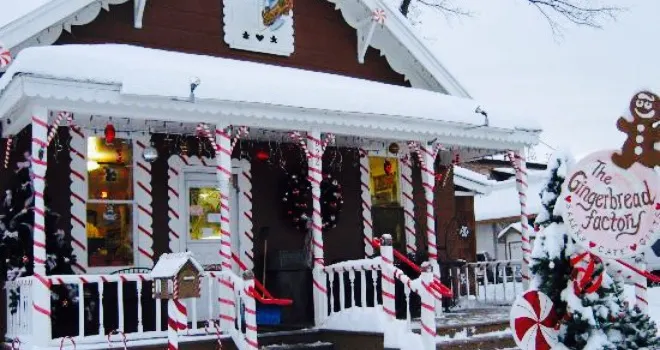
(254, 94)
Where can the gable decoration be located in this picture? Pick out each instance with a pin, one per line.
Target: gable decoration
(259, 25)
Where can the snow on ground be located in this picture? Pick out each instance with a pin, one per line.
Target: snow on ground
(397, 333)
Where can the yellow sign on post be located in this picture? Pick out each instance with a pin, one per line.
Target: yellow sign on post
(384, 181)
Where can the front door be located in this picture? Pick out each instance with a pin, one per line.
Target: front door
(203, 223)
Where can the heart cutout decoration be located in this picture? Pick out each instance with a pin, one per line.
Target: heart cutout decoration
(592, 244)
(633, 247)
(259, 37)
(657, 206)
(568, 199)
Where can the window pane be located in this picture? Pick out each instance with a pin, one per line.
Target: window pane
(110, 234)
(384, 173)
(204, 213)
(110, 169)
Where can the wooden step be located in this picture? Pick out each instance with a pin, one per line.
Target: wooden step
(472, 328)
(309, 346)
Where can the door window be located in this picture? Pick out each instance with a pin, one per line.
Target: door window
(204, 213)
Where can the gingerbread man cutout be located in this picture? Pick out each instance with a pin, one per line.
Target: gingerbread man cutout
(643, 131)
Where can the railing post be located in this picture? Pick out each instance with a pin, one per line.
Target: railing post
(387, 271)
(428, 311)
(250, 311)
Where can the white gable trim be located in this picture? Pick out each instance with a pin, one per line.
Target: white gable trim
(406, 53)
(401, 46)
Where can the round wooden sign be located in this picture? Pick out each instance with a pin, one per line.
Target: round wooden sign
(611, 211)
(534, 321)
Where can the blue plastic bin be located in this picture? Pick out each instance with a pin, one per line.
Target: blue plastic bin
(269, 315)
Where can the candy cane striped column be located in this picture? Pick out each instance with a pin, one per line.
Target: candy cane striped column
(520, 165)
(428, 182)
(143, 199)
(41, 321)
(251, 341)
(78, 176)
(387, 275)
(428, 315)
(408, 203)
(223, 171)
(245, 218)
(315, 176)
(367, 224)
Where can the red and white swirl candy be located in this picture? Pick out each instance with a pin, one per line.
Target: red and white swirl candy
(5, 57)
(533, 321)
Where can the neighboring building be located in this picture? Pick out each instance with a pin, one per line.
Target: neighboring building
(153, 155)
(497, 214)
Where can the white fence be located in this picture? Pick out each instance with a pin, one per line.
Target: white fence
(124, 303)
(491, 283)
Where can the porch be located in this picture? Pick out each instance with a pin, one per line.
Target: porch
(338, 131)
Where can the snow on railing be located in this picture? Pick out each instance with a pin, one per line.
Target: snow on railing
(124, 303)
(367, 274)
(486, 283)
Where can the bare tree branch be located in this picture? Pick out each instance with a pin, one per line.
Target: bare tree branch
(580, 12)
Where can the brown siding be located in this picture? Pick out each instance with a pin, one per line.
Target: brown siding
(450, 211)
(323, 41)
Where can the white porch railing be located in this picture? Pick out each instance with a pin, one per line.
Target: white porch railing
(371, 284)
(490, 283)
(124, 303)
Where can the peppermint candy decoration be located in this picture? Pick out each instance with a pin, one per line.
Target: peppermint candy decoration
(534, 321)
(5, 57)
(379, 16)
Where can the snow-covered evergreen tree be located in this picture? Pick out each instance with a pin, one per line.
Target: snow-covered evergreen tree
(595, 315)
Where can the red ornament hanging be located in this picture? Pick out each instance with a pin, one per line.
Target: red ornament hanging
(109, 133)
(262, 155)
(387, 167)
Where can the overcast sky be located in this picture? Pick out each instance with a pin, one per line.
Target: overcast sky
(576, 86)
(506, 55)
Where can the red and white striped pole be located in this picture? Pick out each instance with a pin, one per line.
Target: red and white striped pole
(251, 341)
(427, 297)
(172, 325)
(520, 166)
(428, 182)
(408, 203)
(641, 286)
(367, 225)
(387, 275)
(143, 196)
(78, 187)
(8, 150)
(41, 321)
(315, 151)
(223, 159)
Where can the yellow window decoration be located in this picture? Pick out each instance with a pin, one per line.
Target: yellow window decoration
(384, 181)
(204, 213)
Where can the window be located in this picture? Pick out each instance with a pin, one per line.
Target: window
(384, 173)
(204, 215)
(110, 202)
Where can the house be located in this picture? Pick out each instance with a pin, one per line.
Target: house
(497, 217)
(173, 126)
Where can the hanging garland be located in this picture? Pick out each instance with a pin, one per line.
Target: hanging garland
(331, 202)
(297, 201)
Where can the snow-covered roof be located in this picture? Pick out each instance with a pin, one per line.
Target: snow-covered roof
(517, 226)
(169, 264)
(503, 201)
(141, 77)
(41, 22)
(472, 180)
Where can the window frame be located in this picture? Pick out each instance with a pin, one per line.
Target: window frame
(399, 180)
(133, 203)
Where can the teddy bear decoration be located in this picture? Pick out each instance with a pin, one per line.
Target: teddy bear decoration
(643, 130)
